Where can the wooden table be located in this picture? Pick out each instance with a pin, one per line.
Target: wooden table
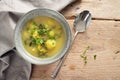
(103, 39)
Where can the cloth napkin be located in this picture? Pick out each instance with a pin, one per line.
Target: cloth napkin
(12, 66)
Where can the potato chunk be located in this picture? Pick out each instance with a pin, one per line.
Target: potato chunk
(51, 33)
(50, 44)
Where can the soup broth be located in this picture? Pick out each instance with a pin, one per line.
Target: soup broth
(43, 37)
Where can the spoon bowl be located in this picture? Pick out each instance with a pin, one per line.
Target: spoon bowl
(81, 22)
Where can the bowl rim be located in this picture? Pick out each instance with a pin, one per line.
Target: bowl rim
(16, 31)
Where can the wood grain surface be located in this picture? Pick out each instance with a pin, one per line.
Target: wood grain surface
(103, 39)
(101, 9)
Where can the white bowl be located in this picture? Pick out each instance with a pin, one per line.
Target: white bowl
(41, 12)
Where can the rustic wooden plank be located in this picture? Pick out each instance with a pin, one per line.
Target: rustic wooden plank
(105, 9)
(43, 71)
(103, 38)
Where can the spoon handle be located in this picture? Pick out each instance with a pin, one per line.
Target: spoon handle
(55, 73)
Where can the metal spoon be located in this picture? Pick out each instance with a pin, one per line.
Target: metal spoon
(80, 25)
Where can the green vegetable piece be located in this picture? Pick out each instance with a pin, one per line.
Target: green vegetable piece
(86, 50)
(39, 41)
(81, 56)
(84, 57)
(34, 23)
(95, 57)
(32, 30)
(41, 26)
(85, 62)
(30, 44)
(42, 30)
(42, 40)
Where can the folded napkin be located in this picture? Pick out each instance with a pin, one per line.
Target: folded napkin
(12, 66)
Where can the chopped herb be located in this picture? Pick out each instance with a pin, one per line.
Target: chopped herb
(42, 31)
(34, 23)
(41, 26)
(86, 50)
(39, 41)
(81, 56)
(95, 57)
(25, 42)
(85, 62)
(32, 30)
(42, 40)
(30, 44)
(84, 56)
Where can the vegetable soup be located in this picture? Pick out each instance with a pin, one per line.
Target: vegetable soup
(43, 37)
